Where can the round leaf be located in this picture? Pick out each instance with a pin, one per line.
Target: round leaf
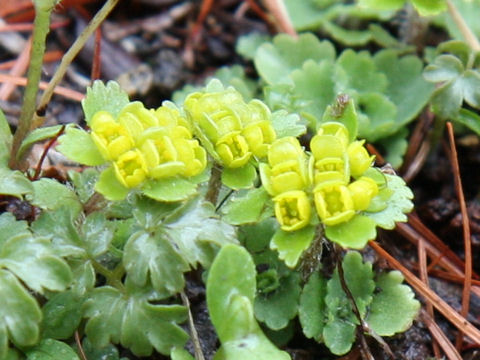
(353, 234)
(291, 245)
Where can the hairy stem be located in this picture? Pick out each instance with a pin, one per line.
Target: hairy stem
(214, 185)
(43, 10)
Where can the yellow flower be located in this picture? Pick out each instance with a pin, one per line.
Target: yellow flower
(233, 150)
(173, 121)
(362, 191)
(284, 149)
(130, 168)
(161, 157)
(292, 210)
(192, 155)
(333, 202)
(111, 138)
(359, 158)
(135, 118)
(335, 129)
(259, 136)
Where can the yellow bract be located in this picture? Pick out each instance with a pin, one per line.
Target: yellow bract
(292, 209)
(235, 129)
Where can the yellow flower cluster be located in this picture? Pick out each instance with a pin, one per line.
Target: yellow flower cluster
(236, 130)
(143, 144)
(334, 171)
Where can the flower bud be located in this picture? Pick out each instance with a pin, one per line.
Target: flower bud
(335, 129)
(111, 138)
(130, 168)
(284, 149)
(362, 191)
(333, 202)
(192, 155)
(292, 210)
(259, 136)
(359, 158)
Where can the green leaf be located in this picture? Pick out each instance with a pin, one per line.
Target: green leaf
(344, 113)
(170, 189)
(248, 207)
(109, 97)
(97, 233)
(339, 331)
(398, 204)
(83, 275)
(382, 4)
(377, 116)
(345, 36)
(314, 84)
(61, 315)
(131, 320)
(469, 119)
(77, 145)
(406, 88)
(109, 186)
(311, 310)
(396, 146)
(276, 61)
(5, 140)
(239, 178)
(194, 228)
(230, 294)
(353, 234)
(248, 44)
(37, 135)
(181, 354)
(14, 183)
(109, 352)
(394, 307)
(11, 227)
(83, 183)
(291, 245)
(444, 68)
(33, 260)
(286, 124)
(19, 314)
(235, 76)
(361, 72)
(447, 100)
(64, 196)
(152, 257)
(49, 349)
(305, 14)
(469, 11)
(429, 7)
(59, 226)
(277, 308)
(256, 237)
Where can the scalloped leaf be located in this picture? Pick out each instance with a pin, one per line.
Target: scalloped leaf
(109, 352)
(406, 88)
(64, 196)
(469, 119)
(33, 260)
(397, 205)
(291, 245)
(248, 44)
(312, 306)
(276, 61)
(339, 331)
(361, 72)
(353, 234)
(109, 97)
(131, 320)
(286, 124)
(429, 7)
(230, 294)
(314, 84)
(396, 146)
(77, 145)
(181, 354)
(377, 116)
(50, 349)
(62, 315)
(194, 229)
(248, 207)
(14, 183)
(151, 257)
(239, 178)
(394, 307)
(277, 308)
(20, 314)
(11, 227)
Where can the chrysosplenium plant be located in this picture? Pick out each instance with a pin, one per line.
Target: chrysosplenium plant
(163, 165)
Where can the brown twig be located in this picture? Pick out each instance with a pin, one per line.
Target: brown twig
(78, 341)
(279, 11)
(97, 51)
(467, 284)
(52, 141)
(18, 69)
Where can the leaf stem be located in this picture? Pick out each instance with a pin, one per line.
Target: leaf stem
(467, 33)
(110, 275)
(41, 28)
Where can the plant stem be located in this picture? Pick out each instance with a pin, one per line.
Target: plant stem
(214, 185)
(193, 331)
(467, 33)
(43, 10)
(111, 276)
